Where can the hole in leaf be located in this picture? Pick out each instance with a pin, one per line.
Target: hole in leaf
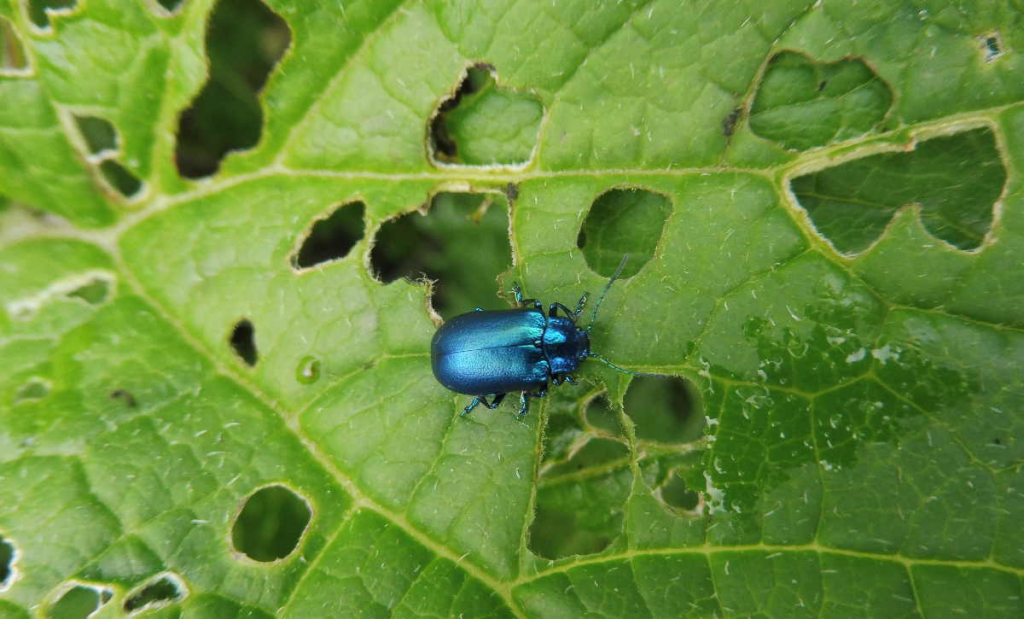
(462, 242)
(34, 389)
(39, 11)
(603, 416)
(243, 341)
(623, 221)
(991, 46)
(170, 5)
(664, 409)
(597, 452)
(560, 433)
(270, 524)
(6, 562)
(120, 179)
(93, 292)
(99, 134)
(580, 502)
(482, 124)
(244, 40)
(954, 179)
(101, 143)
(332, 237)
(12, 52)
(79, 602)
(802, 103)
(676, 494)
(164, 590)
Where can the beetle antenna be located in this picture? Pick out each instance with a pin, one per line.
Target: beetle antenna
(607, 286)
(613, 366)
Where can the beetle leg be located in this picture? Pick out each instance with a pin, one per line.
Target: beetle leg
(524, 404)
(557, 305)
(472, 405)
(580, 304)
(556, 379)
(569, 379)
(496, 402)
(478, 309)
(518, 292)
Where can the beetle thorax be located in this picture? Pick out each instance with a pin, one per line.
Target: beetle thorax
(565, 345)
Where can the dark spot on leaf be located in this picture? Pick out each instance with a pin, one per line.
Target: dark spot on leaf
(308, 371)
(676, 494)
(991, 46)
(6, 561)
(93, 292)
(34, 388)
(244, 41)
(512, 192)
(801, 103)
(956, 181)
(124, 396)
(623, 221)
(462, 243)
(162, 591)
(333, 237)
(665, 409)
(482, 124)
(270, 524)
(12, 52)
(996, 441)
(38, 10)
(243, 341)
(78, 602)
(729, 122)
(99, 134)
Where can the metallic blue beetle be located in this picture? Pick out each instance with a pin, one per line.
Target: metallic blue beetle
(491, 353)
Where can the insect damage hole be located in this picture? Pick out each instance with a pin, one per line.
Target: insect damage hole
(170, 7)
(676, 494)
(460, 240)
(802, 103)
(270, 524)
(99, 139)
(243, 341)
(35, 388)
(79, 602)
(161, 590)
(96, 291)
(484, 124)
(8, 558)
(623, 221)
(40, 11)
(244, 40)
(581, 501)
(13, 60)
(332, 237)
(954, 180)
(664, 409)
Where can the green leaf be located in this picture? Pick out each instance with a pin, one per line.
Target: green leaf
(216, 397)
